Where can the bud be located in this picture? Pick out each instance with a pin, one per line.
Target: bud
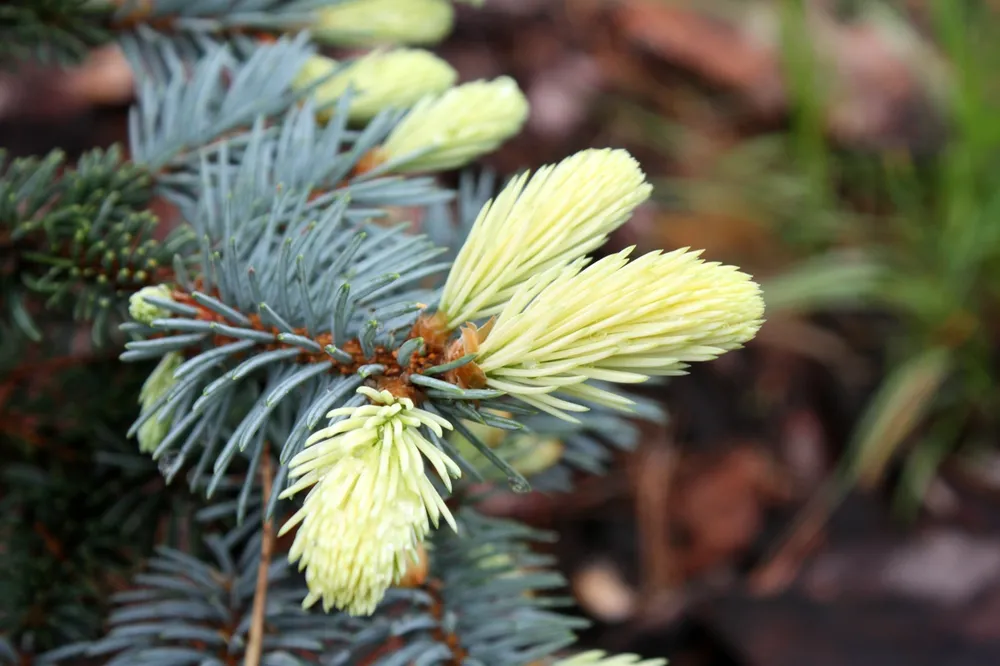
(161, 380)
(599, 658)
(527, 452)
(453, 129)
(371, 503)
(380, 22)
(416, 573)
(615, 321)
(144, 312)
(398, 78)
(562, 213)
(533, 454)
(488, 556)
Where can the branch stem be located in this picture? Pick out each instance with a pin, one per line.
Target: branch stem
(255, 641)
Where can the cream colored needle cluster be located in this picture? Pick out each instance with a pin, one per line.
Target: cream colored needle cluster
(398, 78)
(598, 658)
(370, 504)
(161, 380)
(618, 321)
(378, 22)
(450, 130)
(562, 213)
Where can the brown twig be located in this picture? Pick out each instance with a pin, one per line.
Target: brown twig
(448, 638)
(781, 563)
(394, 376)
(255, 641)
(655, 475)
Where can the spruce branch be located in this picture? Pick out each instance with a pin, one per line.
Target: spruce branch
(197, 607)
(254, 18)
(60, 31)
(299, 152)
(63, 31)
(289, 299)
(194, 106)
(481, 602)
(563, 329)
(255, 312)
(296, 243)
(205, 130)
(80, 504)
(78, 234)
(95, 226)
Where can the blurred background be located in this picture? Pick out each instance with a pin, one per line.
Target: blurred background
(831, 494)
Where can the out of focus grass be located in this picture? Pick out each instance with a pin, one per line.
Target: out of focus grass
(913, 236)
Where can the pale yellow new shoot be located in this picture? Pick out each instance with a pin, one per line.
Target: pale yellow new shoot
(599, 658)
(615, 321)
(371, 503)
(160, 380)
(384, 22)
(561, 213)
(381, 79)
(450, 130)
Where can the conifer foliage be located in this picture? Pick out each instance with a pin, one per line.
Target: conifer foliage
(265, 456)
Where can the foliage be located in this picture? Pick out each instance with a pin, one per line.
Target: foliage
(83, 235)
(79, 503)
(290, 334)
(62, 31)
(895, 231)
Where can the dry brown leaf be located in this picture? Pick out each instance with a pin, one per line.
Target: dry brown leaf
(718, 505)
(880, 78)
